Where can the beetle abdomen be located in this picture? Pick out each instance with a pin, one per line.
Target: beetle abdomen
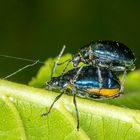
(112, 50)
(103, 91)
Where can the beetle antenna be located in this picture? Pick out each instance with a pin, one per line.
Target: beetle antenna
(20, 58)
(23, 59)
(56, 62)
(19, 70)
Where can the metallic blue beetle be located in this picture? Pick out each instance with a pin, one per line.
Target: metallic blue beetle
(105, 53)
(84, 82)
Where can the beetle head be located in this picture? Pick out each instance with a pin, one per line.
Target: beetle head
(52, 84)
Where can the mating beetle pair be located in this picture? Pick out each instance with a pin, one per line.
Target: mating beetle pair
(109, 54)
(97, 80)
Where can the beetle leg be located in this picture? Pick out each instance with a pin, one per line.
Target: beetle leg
(55, 100)
(74, 96)
(76, 110)
(90, 53)
(63, 62)
(77, 74)
(75, 104)
(100, 78)
(123, 80)
(65, 69)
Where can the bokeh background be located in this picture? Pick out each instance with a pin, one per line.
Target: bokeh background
(37, 29)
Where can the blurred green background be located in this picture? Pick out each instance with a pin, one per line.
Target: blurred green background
(37, 29)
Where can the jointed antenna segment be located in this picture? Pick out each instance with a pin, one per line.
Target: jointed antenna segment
(20, 58)
(19, 70)
(55, 63)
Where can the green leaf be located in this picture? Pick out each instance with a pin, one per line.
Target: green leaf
(21, 109)
(22, 106)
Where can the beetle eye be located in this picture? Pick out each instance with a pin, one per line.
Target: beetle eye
(55, 83)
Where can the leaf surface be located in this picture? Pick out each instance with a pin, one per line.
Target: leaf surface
(22, 106)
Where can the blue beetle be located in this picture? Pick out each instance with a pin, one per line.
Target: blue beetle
(106, 53)
(87, 83)
(84, 82)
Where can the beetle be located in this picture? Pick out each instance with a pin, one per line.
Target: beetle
(105, 53)
(84, 82)
(87, 82)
